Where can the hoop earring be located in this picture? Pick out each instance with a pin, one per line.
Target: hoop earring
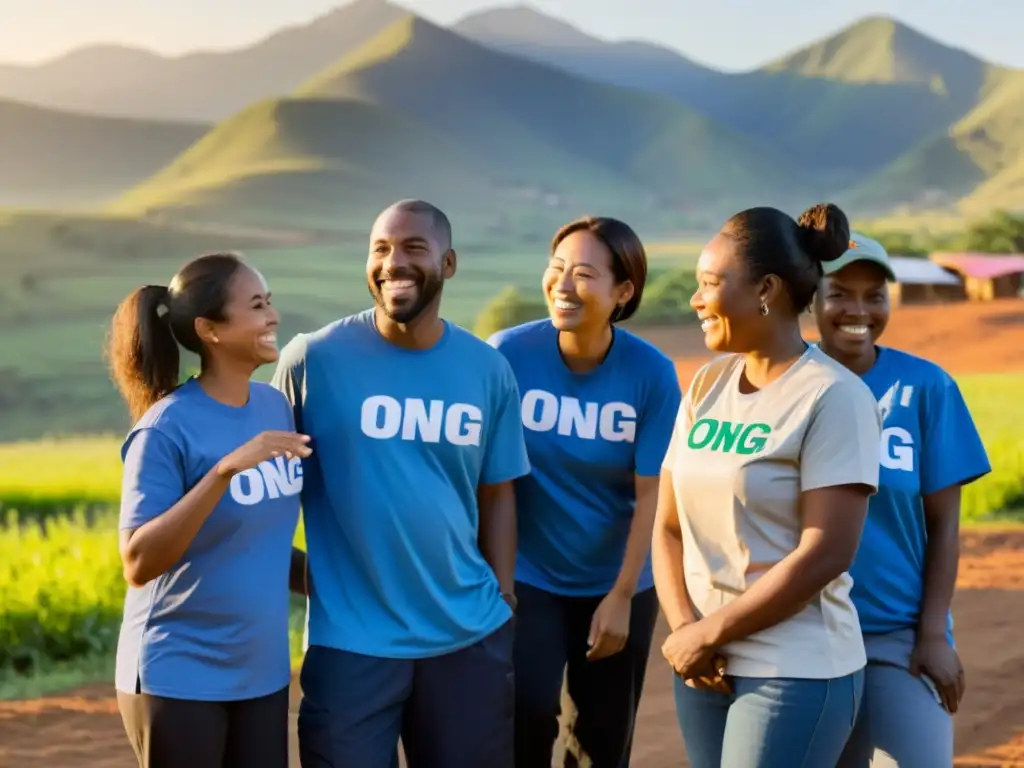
(764, 309)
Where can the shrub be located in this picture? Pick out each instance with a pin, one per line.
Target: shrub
(667, 299)
(509, 308)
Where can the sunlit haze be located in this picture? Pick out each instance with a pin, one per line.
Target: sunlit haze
(728, 34)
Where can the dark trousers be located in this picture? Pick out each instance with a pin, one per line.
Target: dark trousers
(175, 733)
(450, 711)
(551, 645)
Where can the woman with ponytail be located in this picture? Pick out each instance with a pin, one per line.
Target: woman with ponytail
(764, 492)
(209, 507)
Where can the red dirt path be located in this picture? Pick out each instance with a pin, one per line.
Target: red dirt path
(81, 729)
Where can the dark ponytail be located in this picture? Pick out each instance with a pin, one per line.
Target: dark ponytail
(152, 321)
(144, 357)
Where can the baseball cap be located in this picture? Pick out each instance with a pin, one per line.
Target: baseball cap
(861, 249)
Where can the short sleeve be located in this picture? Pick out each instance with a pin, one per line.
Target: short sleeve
(290, 377)
(843, 438)
(505, 456)
(952, 452)
(680, 429)
(154, 477)
(496, 339)
(657, 423)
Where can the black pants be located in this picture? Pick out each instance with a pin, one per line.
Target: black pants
(451, 711)
(176, 733)
(551, 644)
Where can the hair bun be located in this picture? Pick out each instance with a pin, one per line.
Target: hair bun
(825, 232)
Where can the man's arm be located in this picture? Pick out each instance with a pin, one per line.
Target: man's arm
(505, 460)
(498, 539)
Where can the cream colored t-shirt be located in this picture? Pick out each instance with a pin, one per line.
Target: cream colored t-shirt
(739, 463)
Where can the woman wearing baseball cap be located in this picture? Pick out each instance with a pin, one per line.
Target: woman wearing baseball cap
(904, 574)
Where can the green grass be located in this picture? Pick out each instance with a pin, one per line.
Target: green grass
(63, 598)
(55, 677)
(998, 410)
(65, 474)
(63, 591)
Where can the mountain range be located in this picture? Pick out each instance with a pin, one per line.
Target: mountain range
(369, 101)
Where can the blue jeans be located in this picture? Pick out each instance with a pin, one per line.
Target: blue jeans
(900, 722)
(769, 722)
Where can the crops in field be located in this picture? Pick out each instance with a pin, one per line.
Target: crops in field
(60, 575)
(998, 410)
(63, 590)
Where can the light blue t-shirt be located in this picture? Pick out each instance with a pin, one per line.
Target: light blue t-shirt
(215, 626)
(929, 442)
(588, 435)
(402, 439)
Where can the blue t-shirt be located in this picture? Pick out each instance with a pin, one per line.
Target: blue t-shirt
(588, 436)
(929, 442)
(402, 439)
(215, 626)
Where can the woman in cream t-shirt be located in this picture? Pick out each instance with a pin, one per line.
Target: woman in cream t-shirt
(763, 497)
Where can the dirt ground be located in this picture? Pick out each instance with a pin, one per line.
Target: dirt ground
(81, 729)
(986, 337)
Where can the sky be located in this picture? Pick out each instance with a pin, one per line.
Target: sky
(728, 34)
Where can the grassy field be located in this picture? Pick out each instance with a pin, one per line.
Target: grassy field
(62, 276)
(63, 596)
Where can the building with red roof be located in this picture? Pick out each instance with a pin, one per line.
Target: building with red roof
(985, 276)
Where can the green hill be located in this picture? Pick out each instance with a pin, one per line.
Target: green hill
(977, 164)
(534, 124)
(420, 110)
(51, 158)
(844, 108)
(304, 161)
(993, 136)
(880, 49)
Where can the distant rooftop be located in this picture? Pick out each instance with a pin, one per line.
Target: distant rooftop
(981, 265)
(911, 271)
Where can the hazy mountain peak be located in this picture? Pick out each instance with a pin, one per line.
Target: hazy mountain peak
(407, 34)
(881, 49)
(522, 23)
(358, 11)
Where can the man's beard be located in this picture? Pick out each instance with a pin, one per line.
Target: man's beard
(429, 286)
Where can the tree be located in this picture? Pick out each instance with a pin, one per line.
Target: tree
(901, 243)
(507, 309)
(667, 299)
(1001, 232)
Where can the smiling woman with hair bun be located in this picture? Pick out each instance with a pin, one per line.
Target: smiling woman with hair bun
(764, 492)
